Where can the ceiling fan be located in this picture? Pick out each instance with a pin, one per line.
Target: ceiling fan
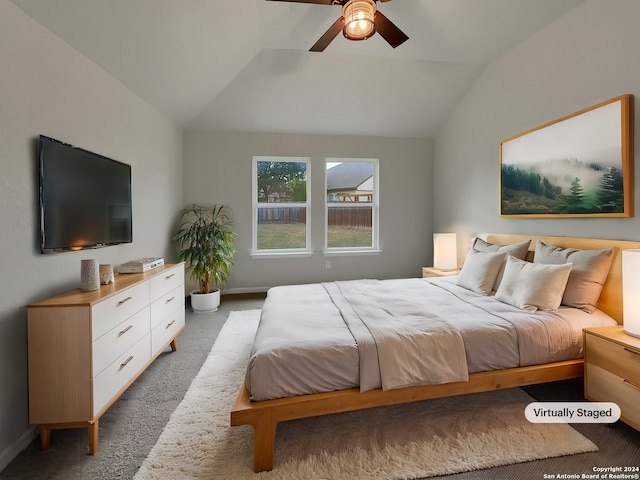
(360, 20)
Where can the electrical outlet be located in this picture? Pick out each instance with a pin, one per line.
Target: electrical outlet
(327, 264)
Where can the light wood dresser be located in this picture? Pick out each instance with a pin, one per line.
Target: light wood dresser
(86, 348)
(612, 370)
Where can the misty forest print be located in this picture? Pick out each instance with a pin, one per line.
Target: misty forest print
(563, 186)
(572, 167)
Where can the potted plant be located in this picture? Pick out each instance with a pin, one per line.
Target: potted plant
(205, 243)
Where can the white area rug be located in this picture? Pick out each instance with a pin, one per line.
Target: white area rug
(423, 439)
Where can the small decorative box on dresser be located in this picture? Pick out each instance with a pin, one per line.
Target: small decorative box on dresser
(86, 348)
(612, 370)
(436, 272)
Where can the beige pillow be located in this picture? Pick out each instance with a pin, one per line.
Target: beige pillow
(480, 270)
(589, 272)
(518, 250)
(533, 286)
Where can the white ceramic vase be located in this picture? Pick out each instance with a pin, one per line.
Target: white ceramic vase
(89, 275)
(205, 302)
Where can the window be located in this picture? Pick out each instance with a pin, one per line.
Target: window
(280, 205)
(351, 205)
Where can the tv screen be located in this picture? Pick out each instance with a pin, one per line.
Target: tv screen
(85, 198)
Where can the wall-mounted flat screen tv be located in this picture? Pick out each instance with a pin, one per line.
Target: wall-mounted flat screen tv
(85, 198)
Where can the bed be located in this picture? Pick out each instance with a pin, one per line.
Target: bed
(356, 365)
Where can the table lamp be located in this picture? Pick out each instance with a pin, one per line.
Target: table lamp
(445, 251)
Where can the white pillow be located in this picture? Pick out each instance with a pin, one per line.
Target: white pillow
(518, 250)
(480, 270)
(533, 286)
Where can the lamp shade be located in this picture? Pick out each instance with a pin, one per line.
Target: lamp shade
(445, 251)
(359, 16)
(631, 292)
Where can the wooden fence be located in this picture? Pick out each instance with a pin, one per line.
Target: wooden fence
(282, 215)
(350, 217)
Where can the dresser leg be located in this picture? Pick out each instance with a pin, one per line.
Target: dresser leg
(45, 437)
(93, 437)
(174, 345)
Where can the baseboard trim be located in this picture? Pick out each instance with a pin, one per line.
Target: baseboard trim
(232, 291)
(13, 450)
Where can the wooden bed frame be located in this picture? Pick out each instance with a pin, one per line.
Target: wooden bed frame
(264, 416)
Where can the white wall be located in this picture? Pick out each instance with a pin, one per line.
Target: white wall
(48, 88)
(586, 57)
(218, 170)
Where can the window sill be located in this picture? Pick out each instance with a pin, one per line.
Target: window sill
(350, 253)
(265, 255)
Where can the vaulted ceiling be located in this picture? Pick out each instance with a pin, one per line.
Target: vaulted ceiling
(244, 65)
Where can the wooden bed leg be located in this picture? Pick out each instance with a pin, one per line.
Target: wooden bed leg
(45, 437)
(264, 431)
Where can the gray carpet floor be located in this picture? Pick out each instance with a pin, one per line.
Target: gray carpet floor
(130, 428)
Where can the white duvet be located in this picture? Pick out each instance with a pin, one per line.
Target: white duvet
(396, 333)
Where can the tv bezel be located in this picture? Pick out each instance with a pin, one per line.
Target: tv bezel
(41, 194)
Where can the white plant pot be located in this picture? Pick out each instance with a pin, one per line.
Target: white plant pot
(205, 302)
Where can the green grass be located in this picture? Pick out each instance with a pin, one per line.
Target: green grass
(349, 237)
(292, 235)
(281, 235)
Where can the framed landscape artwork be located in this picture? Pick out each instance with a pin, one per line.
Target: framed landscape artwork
(577, 166)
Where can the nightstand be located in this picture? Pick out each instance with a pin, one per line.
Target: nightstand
(612, 370)
(436, 272)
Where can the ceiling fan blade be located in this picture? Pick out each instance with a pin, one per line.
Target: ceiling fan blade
(319, 2)
(392, 34)
(328, 36)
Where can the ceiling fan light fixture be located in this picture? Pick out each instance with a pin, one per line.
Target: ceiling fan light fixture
(359, 18)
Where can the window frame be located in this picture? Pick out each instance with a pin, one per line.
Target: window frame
(256, 205)
(374, 249)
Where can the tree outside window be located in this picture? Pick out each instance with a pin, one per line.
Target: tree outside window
(280, 194)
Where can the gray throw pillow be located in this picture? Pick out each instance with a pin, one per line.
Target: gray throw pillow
(589, 272)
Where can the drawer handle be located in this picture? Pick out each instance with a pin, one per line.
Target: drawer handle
(631, 384)
(631, 351)
(122, 332)
(170, 323)
(169, 276)
(169, 300)
(124, 364)
(124, 300)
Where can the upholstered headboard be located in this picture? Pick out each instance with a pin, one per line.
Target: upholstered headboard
(610, 300)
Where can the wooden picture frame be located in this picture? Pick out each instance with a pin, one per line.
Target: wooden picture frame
(580, 165)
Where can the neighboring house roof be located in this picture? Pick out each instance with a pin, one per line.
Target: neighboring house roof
(348, 175)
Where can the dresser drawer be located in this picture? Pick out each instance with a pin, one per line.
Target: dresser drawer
(603, 386)
(167, 281)
(614, 357)
(167, 329)
(119, 339)
(167, 304)
(119, 373)
(113, 311)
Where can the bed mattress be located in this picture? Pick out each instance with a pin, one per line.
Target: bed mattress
(395, 333)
